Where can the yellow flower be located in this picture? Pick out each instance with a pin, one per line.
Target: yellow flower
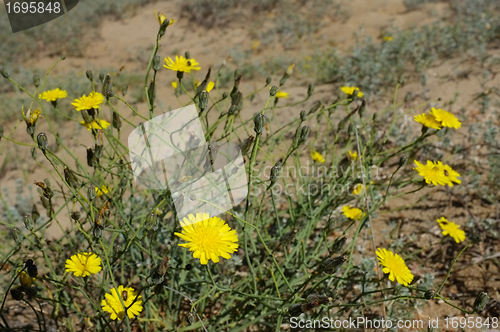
(349, 90)
(446, 118)
(388, 38)
(93, 100)
(210, 86)
(181, 64)
(25, 280)
(395, 266)
(281, 94)
(96, 124)
(83, 264)
(31, 117)
(428, 120)
(255, 44)
(207, 237)
(161, 18)
(352, 213)
(317, 156)
(353, 155)
(450, 174)
(131, 299)
(53, 95)
(451, 229)
(437, 173)
(102, 191)
(174, 85)
(358, 189)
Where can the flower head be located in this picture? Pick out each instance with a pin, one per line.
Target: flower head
(181, 64)
(83, 264)
(96, 124)
(174, 85)
(358, 189)
(349, 90)
(388, 38)
(102, 191)
(446, 118)
(428, 120)
(93, 100)
(395, 266)
(437, 173)
(207, 237)
(315, 155)
(451, 229)
(352, 212)
(53, 95)
(161, 18)
(352, 155)
(450, 174)
(25, 280)
(210, 86)
(31, 117)
(113, 304)
(282, 94)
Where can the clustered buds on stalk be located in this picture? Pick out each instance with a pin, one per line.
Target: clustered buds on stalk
(259, 122)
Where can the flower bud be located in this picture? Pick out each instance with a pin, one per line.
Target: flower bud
(36, 80)
(156, 63)
(224, 95)
(274, 91)
(362, 108)
(342, 123)
(124, 89)
(86, 116)
(106, 85)
(339, 244)
(268, 80)
(160, 271)
(34, 213)
(42, 141)
(97, 231)
(101, 77)
(117, 122)
(163, 27)
(17, 294)
(304, 134)
(32, 271)
(331, 265)
(63, 57)
(75, 215)
(246, 145)
(481, 301)
(33, 153)
(259, 122)
(351, 131)
(28, 222)
(91, 194)
(310, 89)
(91, 159)
(303, 116)
(98, 150)
(315, 107)
(16, 235)
(402, 161)
(90, 76)
(187, 55)
(4, 73)
(70, 178)
(1, 132)
(152, 221)
(295, 310)
(203, 100)
(429, 295)
(275, 170)
(110, 93)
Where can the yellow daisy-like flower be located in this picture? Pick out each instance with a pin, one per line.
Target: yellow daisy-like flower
(446, 118)
(358, 189)
(31, 117)
(93, 100)
(431, 173)
(53, 95)
(131, 300)
(352, 212)
(96, 124)
(281, 94)
(210, 86)
(315, 155)
(349, 90)
(161, 18)
(102, 191)
(388, 38)
(450, 174)
(174, 85)
(83, 264)
(181, 64)
(353, 155)
(451, 229)
(208, 238)
(428, 120)
(25, 280)
(395, 266)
